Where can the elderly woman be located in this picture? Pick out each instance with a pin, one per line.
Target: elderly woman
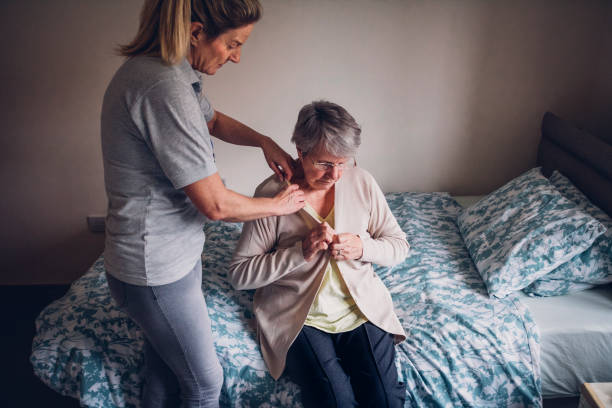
(323, 316)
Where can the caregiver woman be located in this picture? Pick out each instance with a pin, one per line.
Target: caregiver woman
(161, 181)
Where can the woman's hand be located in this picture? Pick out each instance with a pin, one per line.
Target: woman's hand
(232, 131)
(347, 246)
(279, 160)
(319, 239)
(289, 200)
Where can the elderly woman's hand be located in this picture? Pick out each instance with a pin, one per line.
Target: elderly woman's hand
(279, 160)
(347, 246)
(319, 239)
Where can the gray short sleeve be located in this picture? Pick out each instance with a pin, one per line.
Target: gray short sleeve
(170, 117)
(206, 108)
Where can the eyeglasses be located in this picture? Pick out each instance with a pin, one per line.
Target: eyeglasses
(326, 166)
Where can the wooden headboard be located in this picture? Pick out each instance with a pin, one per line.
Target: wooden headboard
(585, 159)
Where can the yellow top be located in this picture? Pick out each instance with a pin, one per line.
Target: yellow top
(333, 309)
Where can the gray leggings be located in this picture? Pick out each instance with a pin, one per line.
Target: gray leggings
(180, 359)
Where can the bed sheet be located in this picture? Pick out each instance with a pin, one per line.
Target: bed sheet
(576, 339)
(463, 348)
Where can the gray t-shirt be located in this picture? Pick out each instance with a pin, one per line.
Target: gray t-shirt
(155, 141)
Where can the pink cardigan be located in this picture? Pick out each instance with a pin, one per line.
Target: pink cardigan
(269, 258)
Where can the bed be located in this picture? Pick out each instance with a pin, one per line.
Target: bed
(575, 336)
(575, 329)
(464, 346)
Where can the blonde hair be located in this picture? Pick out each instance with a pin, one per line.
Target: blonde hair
(165, 25)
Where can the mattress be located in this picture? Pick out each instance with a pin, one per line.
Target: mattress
(575, 335)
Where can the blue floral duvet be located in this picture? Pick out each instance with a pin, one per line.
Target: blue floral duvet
(463, 348)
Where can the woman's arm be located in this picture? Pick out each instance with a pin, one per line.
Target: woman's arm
(231, 131)
(210, 197)
(385, 243)
(256, 261)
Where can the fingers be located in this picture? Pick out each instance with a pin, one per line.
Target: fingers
(326, 227)
(319, 239)
(287, 169)
(345, 253)
(283, 170)
(311, 247)
(277, 170)
(342, 253)
(342, 238)
(289, 200)
(292, 187)
(342, 242)
(295, 194)
(319, 235)
(326, 232)
(279, 160)
(347, 246)
(341, 247)
(298, 198)
(339, 250)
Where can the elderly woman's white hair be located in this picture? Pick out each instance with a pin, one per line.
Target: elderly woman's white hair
(329, 124)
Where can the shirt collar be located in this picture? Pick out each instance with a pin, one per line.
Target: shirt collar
(191, 75)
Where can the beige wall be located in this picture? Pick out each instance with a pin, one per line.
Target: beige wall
(57, 58)
(449, 95)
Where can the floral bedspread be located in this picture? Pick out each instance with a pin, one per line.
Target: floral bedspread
(463, 348)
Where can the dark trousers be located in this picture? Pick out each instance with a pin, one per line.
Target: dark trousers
(350, 369)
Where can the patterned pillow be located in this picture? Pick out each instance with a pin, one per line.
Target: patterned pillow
(590, 268)
(524, 230)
